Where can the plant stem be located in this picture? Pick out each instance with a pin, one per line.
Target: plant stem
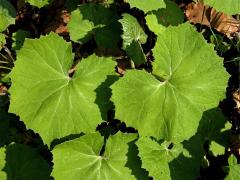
(2, 67)
(3, 62)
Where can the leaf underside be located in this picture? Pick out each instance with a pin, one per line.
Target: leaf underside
(133, 36)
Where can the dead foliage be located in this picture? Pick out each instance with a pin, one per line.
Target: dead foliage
(198, 13)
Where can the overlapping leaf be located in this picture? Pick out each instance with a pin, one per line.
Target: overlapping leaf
(147, 5)
(187, 79)
(215, 129)
(23, 162)
(157, 21)
(133, 36)
(19, 38)
(82, 158)
(46, 98)
(171, 161)
(7, 14)
(94, 20)
(227, 6)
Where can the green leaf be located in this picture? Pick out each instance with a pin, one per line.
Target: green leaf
(135, 52)
(5, 120)
(135, 163)
(227, 6)
(38, 3)
(212, 123)
(216, 148)
(157, 21)
(147, 5)
(94, 20)
(188, 78)
(132, 30)
(2, 40)
(81, 158)
(234, 169)
(3, 174)
(79, 33)
(19, 38)
(24, 162)
(133, 36)
(46, 98)
(170, 161)
(7, 14)
(214, 128)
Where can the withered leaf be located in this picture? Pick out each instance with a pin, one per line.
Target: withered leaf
(198, 13)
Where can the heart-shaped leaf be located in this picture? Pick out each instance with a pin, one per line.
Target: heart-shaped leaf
(46, 98)
(81, 158)
(188, 78)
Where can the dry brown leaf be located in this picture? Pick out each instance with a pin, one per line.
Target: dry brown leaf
(59, 23)
(236, 98)
(3, 90)
(206, 15)
(122, 65)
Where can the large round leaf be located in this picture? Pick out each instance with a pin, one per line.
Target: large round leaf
(7, 14)
(188, 78)
(46, 98)
(81, 158)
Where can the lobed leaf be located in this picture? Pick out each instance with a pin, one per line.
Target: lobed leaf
(82, 158)
(44, 96)
(188, 78)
